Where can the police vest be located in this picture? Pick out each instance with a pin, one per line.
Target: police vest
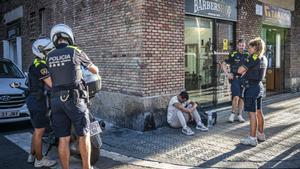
(254, 73)
(65, 72)
(238, 60)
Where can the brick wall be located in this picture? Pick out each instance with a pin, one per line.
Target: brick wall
(248, 24)
(163, 49)
(295, 38)
(30, 29)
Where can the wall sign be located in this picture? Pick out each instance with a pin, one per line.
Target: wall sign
(221, 9)
(276, 16)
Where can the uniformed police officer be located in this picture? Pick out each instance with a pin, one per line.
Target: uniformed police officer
(254, 71)
(38, 76)
(67, 103)
(235, 60)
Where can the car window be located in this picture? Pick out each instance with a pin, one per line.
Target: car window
(9, 70)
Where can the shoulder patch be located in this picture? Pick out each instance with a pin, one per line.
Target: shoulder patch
(44, 71)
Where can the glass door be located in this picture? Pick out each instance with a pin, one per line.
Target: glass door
(198, 59)
(224, 45)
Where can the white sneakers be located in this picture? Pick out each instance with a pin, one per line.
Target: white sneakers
(261, 136)
(252, 141)
(232, 118)
(187, 131)
(249, 141)
(44, 162)
(201, 127)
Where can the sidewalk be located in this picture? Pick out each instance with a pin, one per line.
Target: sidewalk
(218, 148)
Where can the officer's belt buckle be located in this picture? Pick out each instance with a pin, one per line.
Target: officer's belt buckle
(64, 95)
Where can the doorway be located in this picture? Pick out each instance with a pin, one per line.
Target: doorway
(275, 42)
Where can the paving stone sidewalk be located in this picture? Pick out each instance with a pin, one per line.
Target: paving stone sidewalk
(219, 148)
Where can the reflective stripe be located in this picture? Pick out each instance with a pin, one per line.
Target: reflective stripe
(255, 56)
(75, 47)
(37, 62)
(233, 53)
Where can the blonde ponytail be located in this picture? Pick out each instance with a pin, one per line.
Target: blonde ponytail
(259, 45)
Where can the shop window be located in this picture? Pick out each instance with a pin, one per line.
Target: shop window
(198, 58)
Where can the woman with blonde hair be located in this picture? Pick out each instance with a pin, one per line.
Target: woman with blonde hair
(254, 71)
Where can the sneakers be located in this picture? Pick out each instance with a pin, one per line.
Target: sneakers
(44, 162)
(231, 118)
(241, 119)
(201, 127)
(261, 136)
(30, 158)
(249, 141)
(187, 131)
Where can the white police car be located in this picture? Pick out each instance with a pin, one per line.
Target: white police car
(12, 101)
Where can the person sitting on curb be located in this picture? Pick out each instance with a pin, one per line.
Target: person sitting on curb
(180, 111)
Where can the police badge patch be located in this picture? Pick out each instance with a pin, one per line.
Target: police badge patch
(44, 71)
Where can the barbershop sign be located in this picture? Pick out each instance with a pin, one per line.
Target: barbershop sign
(276, 16)
(221, 9)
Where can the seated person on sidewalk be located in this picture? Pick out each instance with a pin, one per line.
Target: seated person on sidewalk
(181, 110)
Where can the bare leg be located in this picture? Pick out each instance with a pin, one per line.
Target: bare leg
(253, 124)
(241, 106)
(260, 120)
(85, 151)
(38, 134)
(235, 102)
(64, 151)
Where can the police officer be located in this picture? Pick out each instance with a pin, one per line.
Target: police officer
(235, 59)
(67, 103)
(254, 71)
(36, 101)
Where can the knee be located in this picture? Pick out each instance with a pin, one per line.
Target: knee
(39, 132)
(235, 98)
(64, 140)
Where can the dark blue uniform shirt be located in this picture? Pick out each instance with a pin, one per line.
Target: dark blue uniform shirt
(236, 59)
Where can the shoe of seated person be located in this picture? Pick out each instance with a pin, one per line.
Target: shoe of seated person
(201, 127)
(187, 131)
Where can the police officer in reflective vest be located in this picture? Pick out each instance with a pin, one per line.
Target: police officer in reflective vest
(38, 76)
(235, 60)
(67, 103)
(254, 71)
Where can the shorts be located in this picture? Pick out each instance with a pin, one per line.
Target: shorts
(252, 104)
(38, 112)
(253, 98)
(236, 88)
(67, 113)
